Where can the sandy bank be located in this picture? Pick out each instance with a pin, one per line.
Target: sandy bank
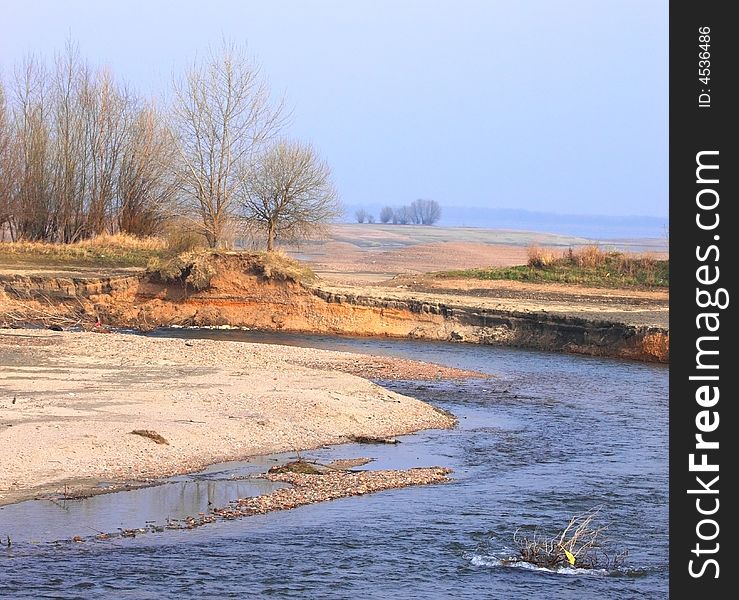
(68, 402)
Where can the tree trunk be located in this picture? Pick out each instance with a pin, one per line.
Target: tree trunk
(270, 236)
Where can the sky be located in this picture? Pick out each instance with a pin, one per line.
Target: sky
(525, 104)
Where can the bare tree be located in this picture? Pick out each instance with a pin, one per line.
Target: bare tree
(361, 215)
(107, 115)
(79, 154)
(430, 212)
(8, 167)
(145, 188)
(370, 218)
(288, 192)
(386, 214)
(71, 82)
(222, 116)
(33, 199)
(425, 212)
(402, 215)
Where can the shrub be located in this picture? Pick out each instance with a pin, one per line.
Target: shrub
(181, 240)
(540, 257)
(191, 269)
(590, 256)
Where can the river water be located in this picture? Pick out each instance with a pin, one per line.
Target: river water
(552, 435)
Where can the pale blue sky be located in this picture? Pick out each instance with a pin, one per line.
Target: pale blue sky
(530, 104)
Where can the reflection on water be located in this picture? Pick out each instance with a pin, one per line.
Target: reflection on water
(178, 497)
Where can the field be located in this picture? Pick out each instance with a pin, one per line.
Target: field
(375, 253)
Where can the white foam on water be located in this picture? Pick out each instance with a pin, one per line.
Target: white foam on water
(479, 560)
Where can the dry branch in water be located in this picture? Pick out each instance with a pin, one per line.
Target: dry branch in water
(368, 439)
(580, 545)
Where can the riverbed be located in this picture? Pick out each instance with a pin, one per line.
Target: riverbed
(550, 436)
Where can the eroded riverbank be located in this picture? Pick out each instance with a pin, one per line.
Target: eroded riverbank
(238, 289)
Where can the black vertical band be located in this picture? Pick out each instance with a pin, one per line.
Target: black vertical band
(703, 173)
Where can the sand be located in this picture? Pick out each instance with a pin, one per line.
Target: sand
(69, 402)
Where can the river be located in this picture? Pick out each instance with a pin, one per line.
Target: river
(550, 436)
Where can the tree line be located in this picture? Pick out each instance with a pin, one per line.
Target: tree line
(419, 212)
(81, 154)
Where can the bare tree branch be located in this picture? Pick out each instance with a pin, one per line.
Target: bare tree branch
(289, 193)
(222, 116)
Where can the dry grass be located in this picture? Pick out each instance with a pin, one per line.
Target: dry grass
(124, 241)
(118, 241)
(279, 266)
(105, 250)
(588, 257)
(196, 269)
(540, 257)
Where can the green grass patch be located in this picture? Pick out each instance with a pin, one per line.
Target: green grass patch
(606, 269)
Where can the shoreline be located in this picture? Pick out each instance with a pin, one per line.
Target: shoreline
(301, 489)
(69, 403)
(242, 290)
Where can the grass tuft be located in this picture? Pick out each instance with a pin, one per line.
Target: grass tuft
(280, 267)
(540, 257)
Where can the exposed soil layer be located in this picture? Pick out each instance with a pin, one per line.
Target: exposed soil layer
(240, 293)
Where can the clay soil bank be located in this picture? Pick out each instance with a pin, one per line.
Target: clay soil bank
(243, 291)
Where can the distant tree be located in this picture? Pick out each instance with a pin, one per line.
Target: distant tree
(403, 215)
(386, 214)
(288, 193)
(415, 214)
(370, 218)
(425, 212)
(222, 117)
(361, 215)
